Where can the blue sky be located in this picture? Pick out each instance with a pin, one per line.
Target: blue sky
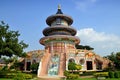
(96, 21)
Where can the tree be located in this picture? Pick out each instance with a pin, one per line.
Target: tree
(117, 64)
(73, 66)
(84, 47)
(9, 42)
(115, 58)
(78, 67)
(112, 56)
(34, 67)
(118, 55)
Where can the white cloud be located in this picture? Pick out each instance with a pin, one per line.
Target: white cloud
(84, 4)
(102, 42)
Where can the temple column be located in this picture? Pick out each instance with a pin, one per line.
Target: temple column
(25, 66)
(52, 48)
(66, 64)
(62, 64)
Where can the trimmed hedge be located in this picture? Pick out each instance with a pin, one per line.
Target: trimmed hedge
(101, 74)
(111, 74)
(15, 74)
(22, 76)
(88, 73)
(70, 75)
(116, 74)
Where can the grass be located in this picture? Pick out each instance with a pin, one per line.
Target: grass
(74, 79)
(13, 79)
(5, 79)
(96, 79)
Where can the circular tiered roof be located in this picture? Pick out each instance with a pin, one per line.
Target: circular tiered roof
(59, 14)
(59, 29)
(60, 38)
(52, 18)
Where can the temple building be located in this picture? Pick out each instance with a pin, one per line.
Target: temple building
(59, 41)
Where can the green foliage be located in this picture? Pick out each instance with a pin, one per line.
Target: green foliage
(116, 75)
(16, 65)
(101, 74)
(115, 58)
(71, 66)
(111, 74)
(66, 73)
(72, 76)
(88, 73)
(118, 55)
(7, 74)
(9, 43)
(16, 75)
(84, 47)
(78, 67)
(4, 68)
(22, 76)
(34, 67)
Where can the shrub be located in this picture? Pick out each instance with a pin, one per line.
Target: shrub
(111, 74)
(7, 74)
(119, 73)
(72, 76)
(28, 76)
(4, 68)
(34, 67)
(17, 75)
(88, 73)
(22, 76)
(66, 73)
(116, 75)
(78, 66)
(71, 66)
(101, 74)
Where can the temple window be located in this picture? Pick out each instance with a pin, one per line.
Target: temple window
(82, 61)
(34, 61)
(71, 60)
(59, 21)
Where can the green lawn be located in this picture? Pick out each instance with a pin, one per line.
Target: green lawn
(5, 79)
(96, 79)
(13, 79)
(74, 79)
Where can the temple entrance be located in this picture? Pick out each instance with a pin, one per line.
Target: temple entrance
(53, 65)
(89, 65)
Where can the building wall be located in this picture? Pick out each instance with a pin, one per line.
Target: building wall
(82, 57)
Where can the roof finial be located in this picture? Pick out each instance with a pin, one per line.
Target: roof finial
(59, 6)
(59, 10)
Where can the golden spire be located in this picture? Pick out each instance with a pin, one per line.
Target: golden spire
(59, 10)
(59, 6)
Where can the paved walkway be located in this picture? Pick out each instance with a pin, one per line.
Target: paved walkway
(86, 76)
(51, 78)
